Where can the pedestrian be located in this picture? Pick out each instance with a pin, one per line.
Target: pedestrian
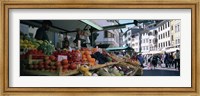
(154, 61)
(149, 62)
(141, 60)
(159, 62)
(166, 60)
(177, 59)
(41, 32)
(171, 59)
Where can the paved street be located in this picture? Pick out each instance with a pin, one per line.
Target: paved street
(161, 72)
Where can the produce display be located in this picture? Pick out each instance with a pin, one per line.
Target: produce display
(30, 44)
(41, 58)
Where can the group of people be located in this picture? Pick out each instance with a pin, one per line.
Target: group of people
(170, 60)
(82, 35)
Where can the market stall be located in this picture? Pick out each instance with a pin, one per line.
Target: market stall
(43, 58)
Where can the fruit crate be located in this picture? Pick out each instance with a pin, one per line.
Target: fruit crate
(36, 72)
(76, 71)
(136, 70)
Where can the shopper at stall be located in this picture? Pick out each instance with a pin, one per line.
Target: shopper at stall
(66, 42)
(79, 36)
(41, 32)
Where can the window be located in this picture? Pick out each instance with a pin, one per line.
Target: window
(167, 24)
(146, 47)
(163, 44)
(159, 45)
(171, 27)
(163, 35)
(129, 39)
(178, 41)
(168, 43)
(168, 34)
(146, 40)
(129, 33)
(177, 28)
(159, 37)
(143, 40)
(149, 40)
(108, 34)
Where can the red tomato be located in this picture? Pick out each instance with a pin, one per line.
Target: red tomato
(72, 66)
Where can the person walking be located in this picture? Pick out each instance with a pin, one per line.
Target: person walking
(141, 60)
(177, 59)
(154, 61)
(166, 60)
(171, 58)
(149, 62)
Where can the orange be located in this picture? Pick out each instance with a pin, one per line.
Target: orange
(83, 56)
(84, 59)
(93, 60)
(87, 52)
(82, 52)
(94, 50)
(88, 57)
(91, 64)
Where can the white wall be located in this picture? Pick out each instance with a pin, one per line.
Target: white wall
(177, 32)
(145, 43)
(136, 41)
(166, 39)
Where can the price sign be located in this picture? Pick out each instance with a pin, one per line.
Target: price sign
(61, 57)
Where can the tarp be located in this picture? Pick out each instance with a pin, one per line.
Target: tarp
(172, 50)
(152, 52)
(119, 48)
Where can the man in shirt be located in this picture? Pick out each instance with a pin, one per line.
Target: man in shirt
(177, 59)
(41, 32)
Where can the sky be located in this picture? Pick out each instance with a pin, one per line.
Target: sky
(126, 21)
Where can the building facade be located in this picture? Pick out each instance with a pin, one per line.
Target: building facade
(111, 37)
(155, 36)
(177, 37)
(164, 35)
